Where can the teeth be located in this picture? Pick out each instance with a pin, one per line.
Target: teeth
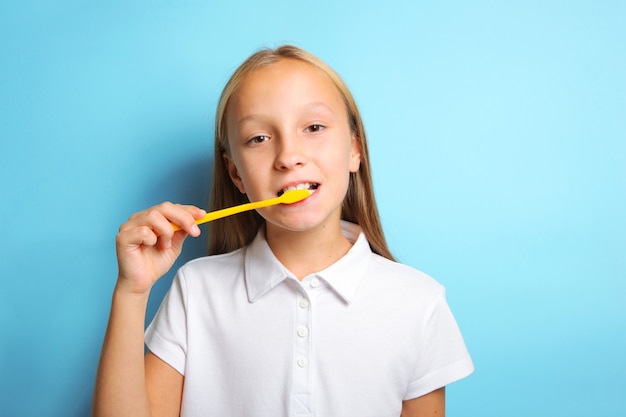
(301, 186)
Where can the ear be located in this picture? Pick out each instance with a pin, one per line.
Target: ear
(355, 154)
(233, 172)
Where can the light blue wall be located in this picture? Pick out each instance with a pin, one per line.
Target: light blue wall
(498, 137)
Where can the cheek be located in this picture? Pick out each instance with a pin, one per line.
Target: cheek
(250, 175)
(351, 159)
(237, 172)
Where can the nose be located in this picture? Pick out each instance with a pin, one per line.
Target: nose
(290, 154)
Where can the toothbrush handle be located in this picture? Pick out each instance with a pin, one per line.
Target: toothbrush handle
(218, 214)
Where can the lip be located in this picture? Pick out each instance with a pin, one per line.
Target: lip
(296, 184)
(305, 201)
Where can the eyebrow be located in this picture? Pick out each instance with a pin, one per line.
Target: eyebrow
(319, 106)
(248, 118)
(312, 106)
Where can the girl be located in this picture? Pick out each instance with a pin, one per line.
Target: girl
(301, 309)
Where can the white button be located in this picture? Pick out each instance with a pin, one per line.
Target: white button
(315, 282)
(303, 331)
(302, 362)
(304, 303)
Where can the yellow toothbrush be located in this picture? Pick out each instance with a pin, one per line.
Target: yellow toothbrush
(288, 197)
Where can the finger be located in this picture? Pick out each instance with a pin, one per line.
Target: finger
(178, 239)
(152, 227)
(137, 236)
(159, 218)
(182, 216)
(186, 218)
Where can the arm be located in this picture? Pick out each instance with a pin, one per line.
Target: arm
(429, 405)
(126, 383)
(164, 385)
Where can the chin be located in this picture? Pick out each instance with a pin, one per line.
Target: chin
(300, 223)
(292, 226)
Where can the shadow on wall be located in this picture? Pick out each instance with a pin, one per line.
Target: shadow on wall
(188, 183)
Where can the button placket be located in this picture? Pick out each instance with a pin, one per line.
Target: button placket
(302, 343)
(303, 331)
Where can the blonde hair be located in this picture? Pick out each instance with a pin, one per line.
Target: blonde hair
(359, 205)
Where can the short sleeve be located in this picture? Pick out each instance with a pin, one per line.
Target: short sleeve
(166, 336)
(443, 357)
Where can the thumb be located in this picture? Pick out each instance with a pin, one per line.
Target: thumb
(178, 239)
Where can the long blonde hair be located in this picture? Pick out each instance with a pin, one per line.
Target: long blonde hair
(359, 205)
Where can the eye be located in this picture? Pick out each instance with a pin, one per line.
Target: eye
(258, 139)
(315, 128)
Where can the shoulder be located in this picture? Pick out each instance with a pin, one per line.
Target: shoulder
(403, 281)
(222, 265)
(384, 274)
(403, 273)
(221, 260)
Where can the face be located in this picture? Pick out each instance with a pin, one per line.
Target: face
(287, 127)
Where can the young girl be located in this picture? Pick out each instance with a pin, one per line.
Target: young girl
(301, 309)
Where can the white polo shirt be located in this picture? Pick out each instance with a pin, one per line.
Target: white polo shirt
(352, 340)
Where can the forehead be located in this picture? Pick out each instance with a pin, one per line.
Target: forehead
(288, 81)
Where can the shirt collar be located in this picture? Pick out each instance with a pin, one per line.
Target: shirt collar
(263, 271)
(261, 268)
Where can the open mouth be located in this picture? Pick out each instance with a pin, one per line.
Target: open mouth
(311, 186)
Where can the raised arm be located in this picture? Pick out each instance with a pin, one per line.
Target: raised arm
(147, 247)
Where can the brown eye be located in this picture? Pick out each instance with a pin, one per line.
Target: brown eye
(315, 128)
(258, 139)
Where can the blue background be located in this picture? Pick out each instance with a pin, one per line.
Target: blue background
(498, 137)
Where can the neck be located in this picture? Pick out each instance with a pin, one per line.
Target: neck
(304, 253)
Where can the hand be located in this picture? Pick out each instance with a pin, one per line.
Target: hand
(147, 245)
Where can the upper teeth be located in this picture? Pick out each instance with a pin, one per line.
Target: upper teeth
(301, 186)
